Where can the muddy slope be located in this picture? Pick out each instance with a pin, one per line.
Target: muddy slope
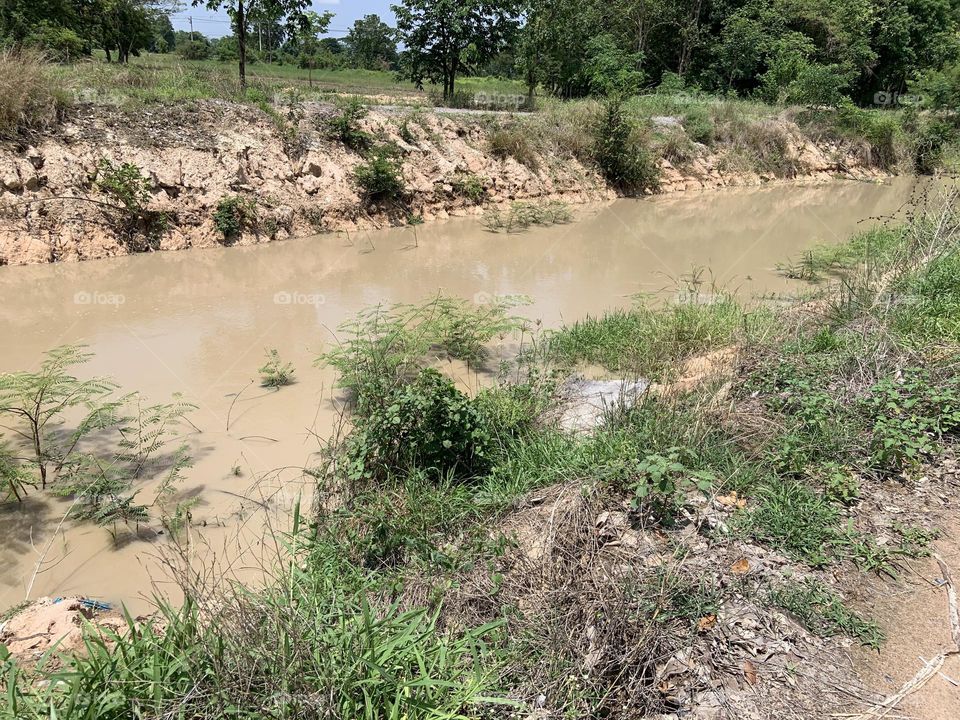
(51, 208)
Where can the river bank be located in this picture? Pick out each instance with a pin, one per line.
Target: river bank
(111, 181)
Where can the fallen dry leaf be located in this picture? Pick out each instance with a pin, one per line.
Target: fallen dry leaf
(732, 500)
(740, 567)
(706, 623)
(750, 672)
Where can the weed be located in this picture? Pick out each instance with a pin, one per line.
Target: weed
(663, 481)
(822, 611)
(380, 176)
(469, 186)
(522, 215)
(30, 100)
(514, 143)
(344, 125)
(235, 215)
(426, 423)
(793, 517)
(275, 373)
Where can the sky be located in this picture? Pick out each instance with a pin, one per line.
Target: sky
(217, 24)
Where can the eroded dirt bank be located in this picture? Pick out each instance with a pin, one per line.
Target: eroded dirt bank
(301, 180)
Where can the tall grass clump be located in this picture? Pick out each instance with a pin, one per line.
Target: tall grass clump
(30, 100)
(312, 644)
(651, 339)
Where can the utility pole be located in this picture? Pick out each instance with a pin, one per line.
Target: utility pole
(191, 28)
(260, 38)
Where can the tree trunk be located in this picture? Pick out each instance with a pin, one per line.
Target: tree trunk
(242, 43)
(107, 50)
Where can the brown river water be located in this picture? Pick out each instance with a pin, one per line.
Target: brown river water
(198, 322)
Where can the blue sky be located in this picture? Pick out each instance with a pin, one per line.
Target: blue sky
(216, 24)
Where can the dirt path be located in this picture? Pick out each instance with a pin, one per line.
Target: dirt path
(914, 613)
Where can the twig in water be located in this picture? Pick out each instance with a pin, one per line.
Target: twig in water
(235, 398)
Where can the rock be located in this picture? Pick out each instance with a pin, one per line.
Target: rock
(586, 403)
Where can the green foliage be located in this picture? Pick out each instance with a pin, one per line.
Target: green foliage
(881, 130)
(125, 184)
(77, 439)
(663, 481)
(911, 415)
(344, 125)
(425, 424)
(235, 214)
(523, 215)
(609, 69)
(437, 35)
(386, 345)
(275, 373)
(699, 125)
(319, 630)
(793, 517)
(620, 152)
(651, 340)
(823, 612)
(380, 176)
(469, 186)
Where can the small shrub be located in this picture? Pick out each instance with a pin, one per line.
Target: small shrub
(380, 176)
(426, 424)
(30, 101)
(663, 480)
(275, 373)
(514, 143)
(619, 151)
(235, 214)
(124, 183)
(469, 186)
(344, 125)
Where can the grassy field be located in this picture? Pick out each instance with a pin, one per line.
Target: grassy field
(169, 78)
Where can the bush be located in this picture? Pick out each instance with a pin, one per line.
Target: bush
(426, 424)
(194, 50)
(881, 130)
(469, 186)
(234, 215)
(620, 153)
(30, 102)
(699, 124)
(125, 184)
(379, 176)
(345, 125)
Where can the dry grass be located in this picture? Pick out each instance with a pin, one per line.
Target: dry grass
(30, 101)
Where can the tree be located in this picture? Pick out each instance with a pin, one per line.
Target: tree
(308, 39)
(371, 43)
(293, 10)
(438, 33)
(125, 26)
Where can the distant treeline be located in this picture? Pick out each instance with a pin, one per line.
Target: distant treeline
(784, 51)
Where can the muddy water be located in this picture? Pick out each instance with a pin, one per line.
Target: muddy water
(198, 323)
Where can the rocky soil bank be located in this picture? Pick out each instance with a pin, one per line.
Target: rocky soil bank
(53, 209)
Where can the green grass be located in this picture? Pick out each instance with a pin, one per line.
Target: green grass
(823, 612)
(652, 340)
(168, 78)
